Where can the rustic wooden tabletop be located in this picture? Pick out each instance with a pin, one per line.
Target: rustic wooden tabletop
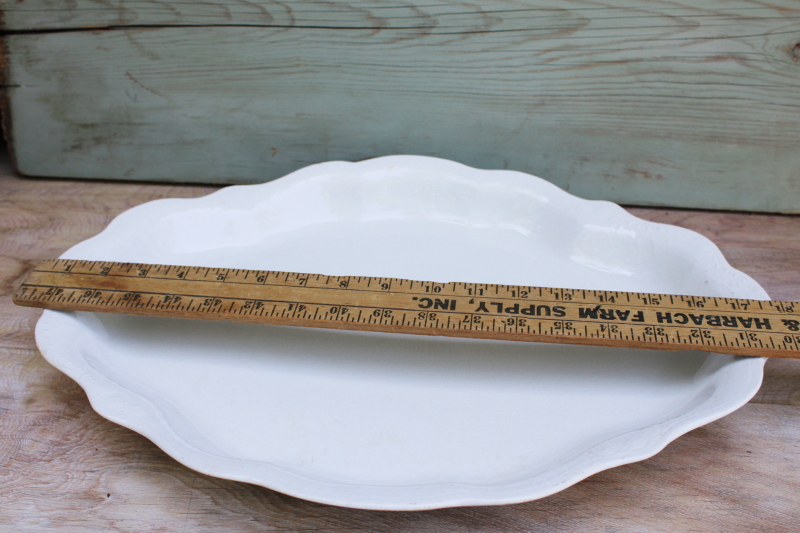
(66, 469)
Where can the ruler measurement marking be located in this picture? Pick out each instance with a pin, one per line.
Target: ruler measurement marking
(556, 292)
(357, 298)
(372, 307)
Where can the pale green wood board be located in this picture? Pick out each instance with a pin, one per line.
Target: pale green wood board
(691, 104)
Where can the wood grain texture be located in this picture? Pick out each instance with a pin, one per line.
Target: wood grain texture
(64, 468)
(652, 103)
(453, 16)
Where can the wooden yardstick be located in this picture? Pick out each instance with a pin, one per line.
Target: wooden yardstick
(478, 310)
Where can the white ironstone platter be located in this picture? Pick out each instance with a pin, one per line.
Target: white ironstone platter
(380, 421)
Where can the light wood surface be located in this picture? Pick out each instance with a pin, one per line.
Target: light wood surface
(645, 102)
(66, 469)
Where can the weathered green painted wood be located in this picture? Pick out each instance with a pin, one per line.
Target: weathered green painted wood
(457, 15)
(690, 104)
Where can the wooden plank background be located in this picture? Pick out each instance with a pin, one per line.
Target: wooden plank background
(65, 469)
(644, 102)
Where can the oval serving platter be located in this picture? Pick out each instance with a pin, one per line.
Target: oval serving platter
(378, 421)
